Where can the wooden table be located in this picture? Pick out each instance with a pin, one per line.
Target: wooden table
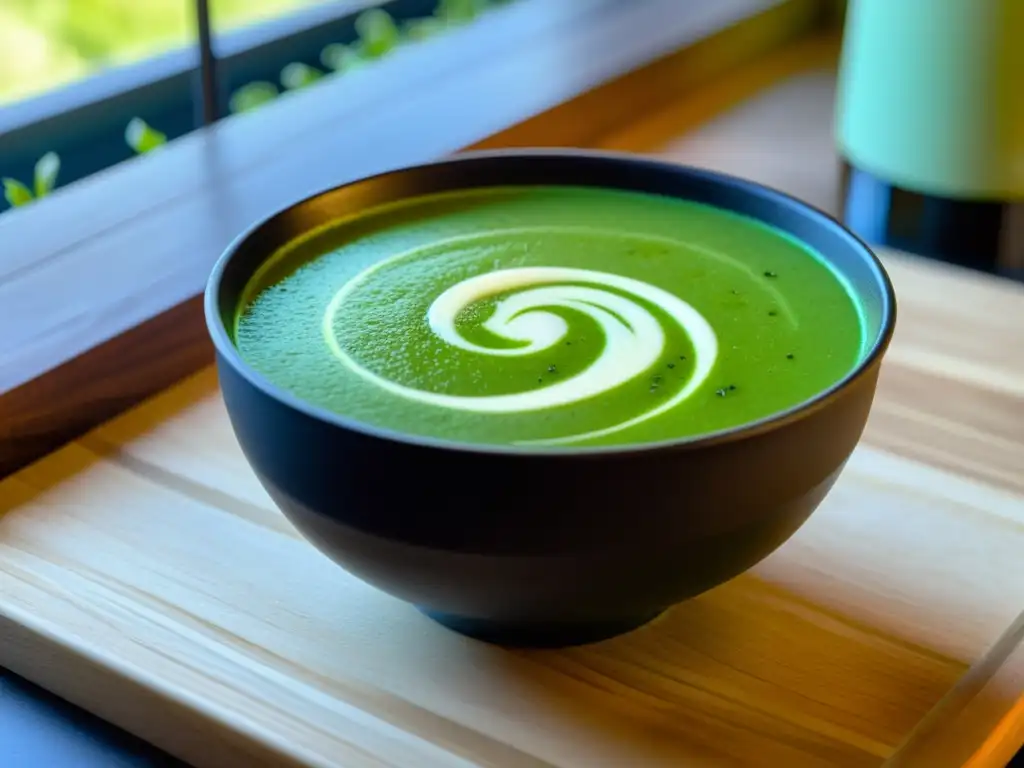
(146, 575)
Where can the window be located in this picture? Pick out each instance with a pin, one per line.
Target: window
(46, 44)
(65, 68)
(86, 84)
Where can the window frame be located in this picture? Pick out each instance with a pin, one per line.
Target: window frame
(76, 349)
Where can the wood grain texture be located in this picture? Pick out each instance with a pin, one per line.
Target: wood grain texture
(986, 701)
(116, 279)
(146, 575)
(97, 385)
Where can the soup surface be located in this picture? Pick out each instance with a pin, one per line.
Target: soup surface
(550, 316)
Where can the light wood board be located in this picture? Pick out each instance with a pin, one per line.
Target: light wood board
(146, 575)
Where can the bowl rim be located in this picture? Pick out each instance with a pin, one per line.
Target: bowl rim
(228, 352)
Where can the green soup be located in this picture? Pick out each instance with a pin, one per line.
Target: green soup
(550, 316)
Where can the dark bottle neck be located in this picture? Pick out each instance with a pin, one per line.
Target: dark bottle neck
(980, 234)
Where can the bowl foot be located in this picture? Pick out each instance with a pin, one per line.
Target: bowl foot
(547, 634)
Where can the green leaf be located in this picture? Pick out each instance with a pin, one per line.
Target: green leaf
(298, 75)
(423, 29)
(17, 193)
(142, 138)
(459, 11)
(252, 95)
(378, 33)
(341, 58)
(46, 170)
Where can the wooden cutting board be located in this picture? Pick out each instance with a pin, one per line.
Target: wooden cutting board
(145, 575)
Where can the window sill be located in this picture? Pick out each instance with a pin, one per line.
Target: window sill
(99, 282)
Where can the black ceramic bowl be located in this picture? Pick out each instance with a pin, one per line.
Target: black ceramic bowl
(557, 546)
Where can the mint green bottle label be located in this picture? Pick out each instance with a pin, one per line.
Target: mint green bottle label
(931, 95)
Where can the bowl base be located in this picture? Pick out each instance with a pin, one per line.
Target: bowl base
(547, 634)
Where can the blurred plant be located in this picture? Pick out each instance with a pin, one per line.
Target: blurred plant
(338, 57)
(45, 174)
(252, 95)
(44, 180)
(298, 75)
(459, 11)
(423, 29)
(142, 138)
(378, 33)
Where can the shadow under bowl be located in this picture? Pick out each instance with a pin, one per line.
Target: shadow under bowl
(547, 547)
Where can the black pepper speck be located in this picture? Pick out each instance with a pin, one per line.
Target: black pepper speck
(790, 356)
(769, 273)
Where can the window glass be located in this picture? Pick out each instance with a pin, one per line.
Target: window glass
(55, 48)
(48, 43)
(45, 44)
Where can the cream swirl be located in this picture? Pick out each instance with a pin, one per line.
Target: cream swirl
(634, 338)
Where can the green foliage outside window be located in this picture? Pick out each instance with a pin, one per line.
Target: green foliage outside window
(142, 138)
(44, 180)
